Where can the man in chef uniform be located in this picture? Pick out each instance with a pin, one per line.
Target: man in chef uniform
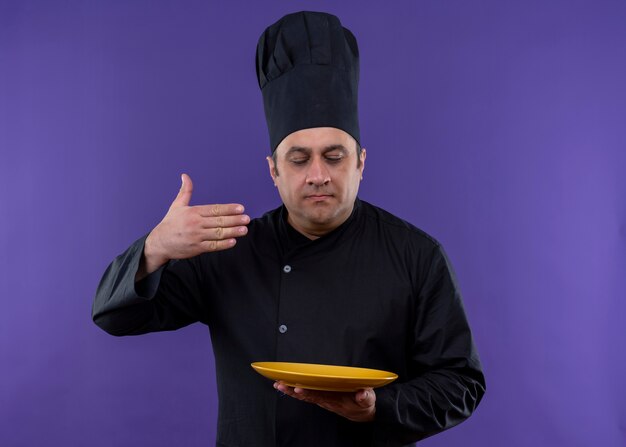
(325, 278)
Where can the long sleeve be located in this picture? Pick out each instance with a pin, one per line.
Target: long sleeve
(167, 299)
(445, 383)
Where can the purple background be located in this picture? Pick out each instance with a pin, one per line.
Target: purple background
(499, 127)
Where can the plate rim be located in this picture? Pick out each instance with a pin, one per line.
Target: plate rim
(388, 374)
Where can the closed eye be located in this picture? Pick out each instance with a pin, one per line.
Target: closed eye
(334, 158)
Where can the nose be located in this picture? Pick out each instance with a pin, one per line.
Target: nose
(317, 174)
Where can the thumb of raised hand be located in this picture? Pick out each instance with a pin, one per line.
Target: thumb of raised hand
(184, 195)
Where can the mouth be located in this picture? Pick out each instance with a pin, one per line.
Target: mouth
(317, 197)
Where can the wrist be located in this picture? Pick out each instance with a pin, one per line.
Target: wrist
(152, 258)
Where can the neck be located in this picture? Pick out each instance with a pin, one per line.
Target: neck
(314, 230)
(311, 233)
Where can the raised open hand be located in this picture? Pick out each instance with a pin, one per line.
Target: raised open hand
(188, 231)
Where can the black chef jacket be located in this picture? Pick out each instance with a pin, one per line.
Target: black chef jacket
(376, 292)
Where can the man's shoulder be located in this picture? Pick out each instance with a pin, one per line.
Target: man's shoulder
(267, 220)
(265, 228)
(394, 225)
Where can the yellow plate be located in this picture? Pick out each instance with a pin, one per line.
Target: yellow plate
(324, 377)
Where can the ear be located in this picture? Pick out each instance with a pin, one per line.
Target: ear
(272, 168)
(363, 155)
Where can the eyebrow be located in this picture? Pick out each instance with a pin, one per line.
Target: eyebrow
(308, 150)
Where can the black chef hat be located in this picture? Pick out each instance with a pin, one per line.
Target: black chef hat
(307, 66)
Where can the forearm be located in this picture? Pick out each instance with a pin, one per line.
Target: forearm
(124, 306)
(431, 403)
(116, 294)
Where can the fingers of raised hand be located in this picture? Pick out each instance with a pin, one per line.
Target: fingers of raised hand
(212, 227)
(207, 246)
(224, 221)
(191, 230)
(217, 228)
(224, 209)
(221, 233)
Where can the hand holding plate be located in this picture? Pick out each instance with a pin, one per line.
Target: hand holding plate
(359, 406)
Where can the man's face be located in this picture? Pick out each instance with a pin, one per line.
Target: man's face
(317, 176)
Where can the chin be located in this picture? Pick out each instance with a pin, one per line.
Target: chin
(323, 217)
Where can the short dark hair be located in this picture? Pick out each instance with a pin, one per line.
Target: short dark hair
(359, 149)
